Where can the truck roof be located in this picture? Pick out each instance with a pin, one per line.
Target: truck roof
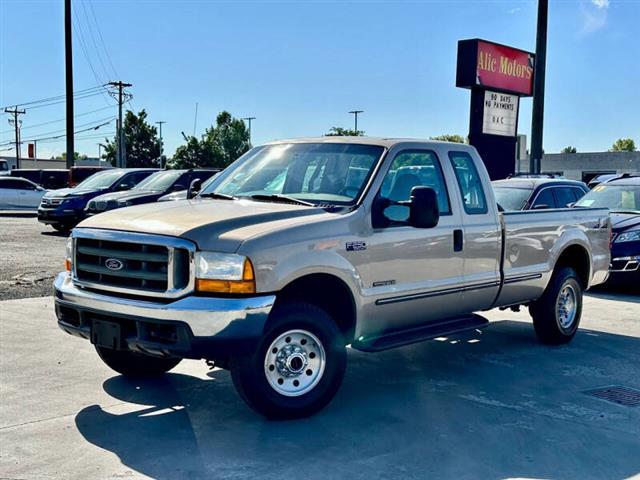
(362, 140)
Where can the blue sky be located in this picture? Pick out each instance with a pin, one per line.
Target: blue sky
(300, 66)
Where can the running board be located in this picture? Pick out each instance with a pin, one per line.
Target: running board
(421, 333)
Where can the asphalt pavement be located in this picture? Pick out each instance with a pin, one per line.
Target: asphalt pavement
(488, 405)
(31, 254)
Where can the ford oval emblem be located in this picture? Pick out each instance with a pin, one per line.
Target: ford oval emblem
(114, 264)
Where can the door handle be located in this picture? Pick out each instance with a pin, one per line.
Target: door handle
(458, 240)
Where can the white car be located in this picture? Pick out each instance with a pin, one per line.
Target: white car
(19, 193)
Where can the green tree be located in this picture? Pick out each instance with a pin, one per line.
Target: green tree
(450, 137)
(623, 145)
(343, 132)
(76, 156)
(218, 147)
(141, 140)
(569, 149)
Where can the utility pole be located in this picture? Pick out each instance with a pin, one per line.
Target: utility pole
(121, 151)
(16, 122)
(159, 123)
(68, 65)
(537, 115)
(248, 119)
(355, 115)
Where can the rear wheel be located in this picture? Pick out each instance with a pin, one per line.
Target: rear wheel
(298, 367)
(556, 315)
(131, 364)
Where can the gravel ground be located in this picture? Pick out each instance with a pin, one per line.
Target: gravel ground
(31, 254)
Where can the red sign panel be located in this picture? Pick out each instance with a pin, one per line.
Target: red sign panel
(31, 150)
(488, 65)
(505, 68)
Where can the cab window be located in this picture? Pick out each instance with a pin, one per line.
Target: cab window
(413, 168)
(469, 182)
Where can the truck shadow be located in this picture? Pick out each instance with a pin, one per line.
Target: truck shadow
(485, 405)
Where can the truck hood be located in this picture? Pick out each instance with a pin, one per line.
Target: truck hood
(212, 224)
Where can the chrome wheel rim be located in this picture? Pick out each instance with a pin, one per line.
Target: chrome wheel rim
(566, 306)
(294, 363)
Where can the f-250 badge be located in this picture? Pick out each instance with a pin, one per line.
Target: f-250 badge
(356, 246)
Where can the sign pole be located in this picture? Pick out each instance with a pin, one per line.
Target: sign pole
(537, 115)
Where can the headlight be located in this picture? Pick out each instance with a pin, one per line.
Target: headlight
(68, 258)
(224, 273)
(633, 235)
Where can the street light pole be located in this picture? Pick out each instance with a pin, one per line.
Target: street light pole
(159, 123)
(537, 115)
(355, 115)
(248, 119)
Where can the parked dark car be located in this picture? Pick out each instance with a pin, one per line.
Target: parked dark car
(64, 208)
(78, 175)
(536, 193)
(49, 178)
(182, 194)
(149, 190)
(622, 196)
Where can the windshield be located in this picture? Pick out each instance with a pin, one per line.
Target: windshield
(100, 180)
(4, 166)
(159, 181)
(511, 198)
(320, 173)
(622, 198)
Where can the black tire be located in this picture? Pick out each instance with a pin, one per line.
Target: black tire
(551, 326)
(249, 373)
(136, 365)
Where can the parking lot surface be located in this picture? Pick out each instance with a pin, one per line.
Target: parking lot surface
(30, 257)
(491, 405)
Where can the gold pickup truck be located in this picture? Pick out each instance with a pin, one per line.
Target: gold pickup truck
(303, 247)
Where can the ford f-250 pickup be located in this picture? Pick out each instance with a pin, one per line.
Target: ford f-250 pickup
(301, 248)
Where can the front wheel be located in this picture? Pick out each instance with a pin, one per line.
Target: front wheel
(556, 315)
(137, 365)
(298, 367)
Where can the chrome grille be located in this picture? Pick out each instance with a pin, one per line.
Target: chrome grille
(131, 263)
(51, 202)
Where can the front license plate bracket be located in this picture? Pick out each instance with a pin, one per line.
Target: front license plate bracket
(106, 334)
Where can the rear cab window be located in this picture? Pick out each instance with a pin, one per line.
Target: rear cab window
(469, 182)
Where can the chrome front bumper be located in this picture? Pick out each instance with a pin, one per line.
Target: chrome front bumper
(204, 316)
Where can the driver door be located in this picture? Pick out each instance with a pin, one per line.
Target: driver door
(413, 275)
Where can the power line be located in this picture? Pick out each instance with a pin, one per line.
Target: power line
(61, 135)
(93, 39)
(57, 97)
(92, 123)
(104, 46)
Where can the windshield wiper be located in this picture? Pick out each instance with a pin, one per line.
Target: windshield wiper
(630, 212)
(281, 198)
(220, 196)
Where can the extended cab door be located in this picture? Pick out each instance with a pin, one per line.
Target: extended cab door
(481, 237)
(414, 275)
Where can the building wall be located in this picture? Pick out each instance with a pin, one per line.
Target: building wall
(583, 166)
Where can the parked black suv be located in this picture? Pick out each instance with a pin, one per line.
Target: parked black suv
(64, 208)
(537, 193)
(149, 190)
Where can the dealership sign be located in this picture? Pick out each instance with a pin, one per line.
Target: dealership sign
(500, 116)
(488, 65)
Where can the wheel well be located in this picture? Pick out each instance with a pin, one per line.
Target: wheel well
(327, 292)
(577, 258)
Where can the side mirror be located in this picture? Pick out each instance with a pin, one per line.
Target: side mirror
(540, 206)
(122, 187)
(571, 204)
(178, 187)
(194, 188)
(423, 208)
